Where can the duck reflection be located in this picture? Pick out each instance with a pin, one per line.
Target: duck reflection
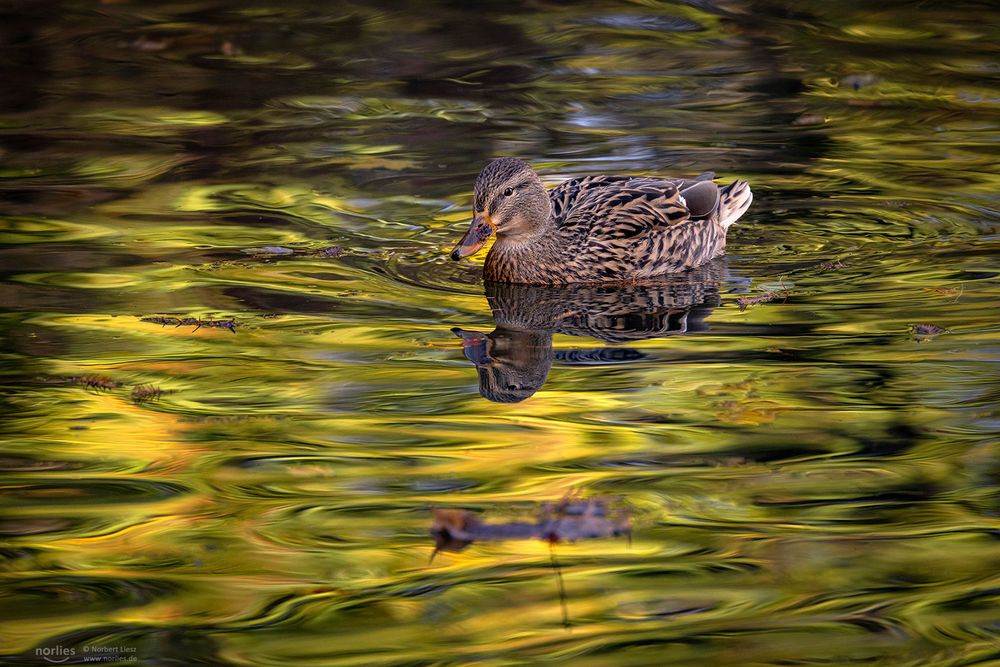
(514, 360)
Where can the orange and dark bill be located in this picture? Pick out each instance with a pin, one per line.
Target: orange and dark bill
(479, 232)
(475, 345)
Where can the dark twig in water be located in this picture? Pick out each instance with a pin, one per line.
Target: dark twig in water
(832, 266)
(191, 321)
(159, 320)
(146, 392)
(220, 324)
(563, 604)
(97, 382)
(953, 292)
(745, 301)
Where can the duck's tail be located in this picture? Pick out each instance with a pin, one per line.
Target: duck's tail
(734, 200)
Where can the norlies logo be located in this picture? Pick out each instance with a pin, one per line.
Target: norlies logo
(90, 654)
(55, 653)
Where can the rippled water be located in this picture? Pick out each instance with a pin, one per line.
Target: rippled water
(811, 479)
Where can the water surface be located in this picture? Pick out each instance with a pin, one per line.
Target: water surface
(810, 480)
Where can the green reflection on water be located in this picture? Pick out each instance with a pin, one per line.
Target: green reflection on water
(808, 480)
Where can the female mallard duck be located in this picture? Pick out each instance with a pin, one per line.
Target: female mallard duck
(598, 228)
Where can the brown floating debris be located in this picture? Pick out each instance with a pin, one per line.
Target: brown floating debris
(191, 321)
(88, 381)
(143, 43)
(832, 265)
(228, 48)
(143, 393)
(568, 520)
(160, 320)
(268, 250)
(951, 292)
(219, 324)
(332, 251)
(810, 119)
(745, 301)
(97, 382)
(266, 254)
(922, 332)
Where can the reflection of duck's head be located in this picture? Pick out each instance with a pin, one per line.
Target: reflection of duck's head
(512, 364)
(513, 361)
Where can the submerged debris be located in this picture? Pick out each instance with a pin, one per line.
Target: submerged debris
(96, 382)
(810, 119)
(745, 301)
(832, 265)
(565, 521)
(89, 381)
(268, 254)
(219, 324)
(143, 393)
(330, 252)
(922, 332)
(151, 44)
(860, 80)
(229, 48)
(191, 321)
(268, 250)
(950, 292)
(160, 320)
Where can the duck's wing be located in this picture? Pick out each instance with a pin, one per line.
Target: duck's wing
(626, 206)
(565, 195)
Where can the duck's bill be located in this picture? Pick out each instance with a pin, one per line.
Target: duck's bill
(475, 345)
(479, 233)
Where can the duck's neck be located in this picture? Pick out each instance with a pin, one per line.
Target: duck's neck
(526, 257)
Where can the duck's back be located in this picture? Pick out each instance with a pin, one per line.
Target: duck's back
(634, 227)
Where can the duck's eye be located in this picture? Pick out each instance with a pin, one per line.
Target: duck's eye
(508, 192)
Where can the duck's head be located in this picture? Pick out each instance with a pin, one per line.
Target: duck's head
(510, 201)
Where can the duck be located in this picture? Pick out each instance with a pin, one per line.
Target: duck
(597, 229)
